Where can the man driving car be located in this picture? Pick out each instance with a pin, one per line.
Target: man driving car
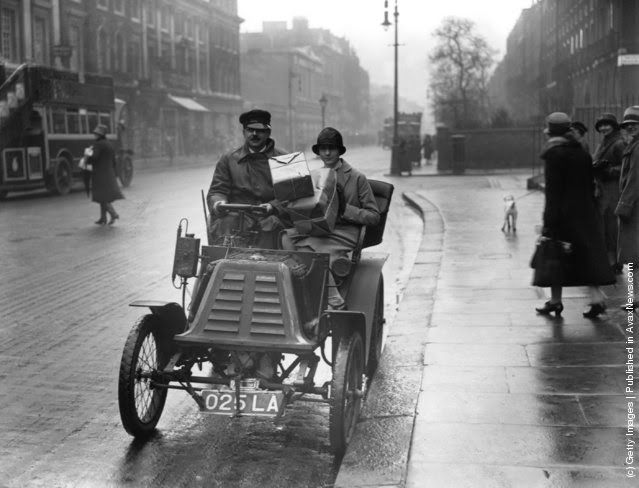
(243, 176)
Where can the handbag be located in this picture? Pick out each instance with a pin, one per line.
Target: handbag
(83, 165)
(552, 262)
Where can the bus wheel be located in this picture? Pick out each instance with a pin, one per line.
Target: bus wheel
(61, 177)
(126, 171)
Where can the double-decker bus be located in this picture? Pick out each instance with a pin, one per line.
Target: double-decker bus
(46, 121)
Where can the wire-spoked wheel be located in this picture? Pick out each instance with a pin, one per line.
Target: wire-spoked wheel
(141, 404)
(346, 391)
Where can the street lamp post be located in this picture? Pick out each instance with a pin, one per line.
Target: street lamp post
(323, 102)
(395, 166)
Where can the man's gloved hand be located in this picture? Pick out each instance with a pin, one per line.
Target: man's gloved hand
(216, 210)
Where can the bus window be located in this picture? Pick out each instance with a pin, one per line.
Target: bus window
(92, 118)
(105, 118)
(84, 129)
(73, 121)
(58, 121)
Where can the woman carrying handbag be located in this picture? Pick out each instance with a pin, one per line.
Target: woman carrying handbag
(572, 251)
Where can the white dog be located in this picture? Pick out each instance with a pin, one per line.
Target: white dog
(510, 214)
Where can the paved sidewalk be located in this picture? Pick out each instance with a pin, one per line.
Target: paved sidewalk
(475, 389)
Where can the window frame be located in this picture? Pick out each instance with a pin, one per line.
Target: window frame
(122, 7)
(15, 33)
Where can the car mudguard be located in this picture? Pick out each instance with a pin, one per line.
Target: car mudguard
(171, 315)
(342, 323)
(362, 290)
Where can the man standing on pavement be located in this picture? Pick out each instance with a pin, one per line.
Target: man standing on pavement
(607, 167)
(243, 176)
(628, 207)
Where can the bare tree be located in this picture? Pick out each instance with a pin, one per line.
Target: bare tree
(460, 66)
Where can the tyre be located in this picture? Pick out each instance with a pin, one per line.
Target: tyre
(140, 403)
(125, 172)
(346, 391)
(61, 177)
(377, 331)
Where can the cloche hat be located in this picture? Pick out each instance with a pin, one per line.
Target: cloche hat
(580, 126)
(557, 124)
(631, 115)
(329, 137)
(606, 118)
(101, 130)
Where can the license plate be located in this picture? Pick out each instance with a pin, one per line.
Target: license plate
(253, 403)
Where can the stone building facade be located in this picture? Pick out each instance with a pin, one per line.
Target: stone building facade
(288, 71)
(577, 56)
(175, 63)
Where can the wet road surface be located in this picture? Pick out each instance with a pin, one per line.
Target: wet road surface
(65, 287)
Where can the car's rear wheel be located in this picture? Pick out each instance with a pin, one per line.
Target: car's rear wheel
(346, 391)
(377, 331)
(141, 403)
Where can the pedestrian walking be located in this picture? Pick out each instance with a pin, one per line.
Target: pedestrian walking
(170, 152)
(579, 130)
(570, 217)
(607, 168)
(427, 148)
(243, 176)
(360, 209)
(628, 209)
(104, 185)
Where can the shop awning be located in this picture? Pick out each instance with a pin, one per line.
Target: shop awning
(189, 104)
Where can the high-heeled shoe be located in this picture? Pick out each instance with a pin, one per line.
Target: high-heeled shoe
(113, 219)
(100, 222)
(595, 310)
(550, 307)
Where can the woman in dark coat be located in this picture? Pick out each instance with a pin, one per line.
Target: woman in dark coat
(570, 216)
(104, 186)
(607, 168)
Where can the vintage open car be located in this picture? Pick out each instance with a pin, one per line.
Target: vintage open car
(259, 317)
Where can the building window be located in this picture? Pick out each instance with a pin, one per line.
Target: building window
(136, 12)
(189, 27)
(103, 51)
(8, 34)
(119, 61)
(75, 41)
(150, 13)
(118, 6)
(179, 24)
(40, 41)
(164, 18)
(103, 4)
(611, 7)
(203, 81)
(135, 66)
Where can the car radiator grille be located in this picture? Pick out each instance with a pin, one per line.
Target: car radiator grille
(247, 301)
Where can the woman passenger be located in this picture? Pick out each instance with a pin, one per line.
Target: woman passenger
(360, 209)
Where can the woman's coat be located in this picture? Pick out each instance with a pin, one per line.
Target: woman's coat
(570, 213)
(104, 185)
(628, 207)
